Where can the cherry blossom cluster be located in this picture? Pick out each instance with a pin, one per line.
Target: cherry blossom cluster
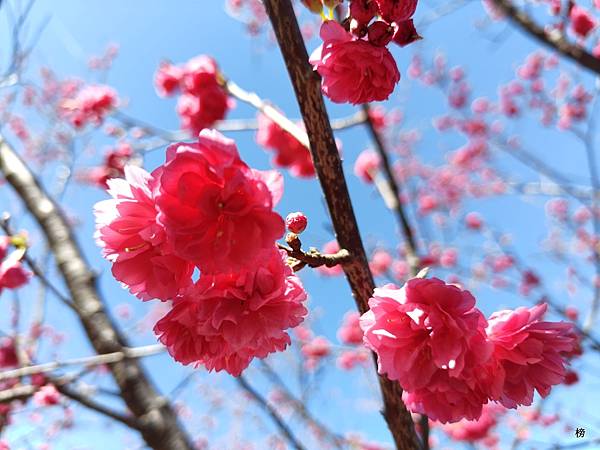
(250, 12)
(12, 273)
(205, 209)
(351, 334)
(451, 361)
(90, 105)
(203, 100)
(314, 349)
(354, 61)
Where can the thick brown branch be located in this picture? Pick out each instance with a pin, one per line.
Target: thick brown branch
(553, 39)
(158, 422)
(327, 163)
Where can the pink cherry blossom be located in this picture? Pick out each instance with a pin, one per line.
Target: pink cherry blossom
(449, 399)
(167, 79)
(353, 70)
(217, 212)
(582, 22)
(475, 430)
(203, 110)
(46, 396)
(380, 262)
(226, 320)
(528, 353)
(90, 106)
(315, 350)
(425, 327)
(473, 221)
(349, 359)
(203, 100)
(8, 353)
(350, 332)
(289, 152)
(366, 165)
(130, 237)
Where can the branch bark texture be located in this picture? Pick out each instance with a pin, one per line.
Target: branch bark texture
(327, 163)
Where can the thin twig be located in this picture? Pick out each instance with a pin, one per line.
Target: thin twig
(89, 403)
(88, 361)
(395, 202)
(336, 439)
(313, 258)
(262, 402)
(554, 39)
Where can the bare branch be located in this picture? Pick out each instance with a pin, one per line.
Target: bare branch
(553, 39)
(314, 258)
(89, 403)
(88, 361)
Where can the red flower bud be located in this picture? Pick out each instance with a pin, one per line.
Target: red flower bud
(396, 10)
(406, 33)
(296, 222)
(380, 33)
(363, 10)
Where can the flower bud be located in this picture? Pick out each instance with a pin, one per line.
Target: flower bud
(314, 6)
(363, 10)
(380, 33)
(406, 33)
(296, 222)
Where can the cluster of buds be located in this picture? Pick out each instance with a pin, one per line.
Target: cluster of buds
(392, 21)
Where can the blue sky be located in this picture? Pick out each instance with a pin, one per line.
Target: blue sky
(150, 31)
